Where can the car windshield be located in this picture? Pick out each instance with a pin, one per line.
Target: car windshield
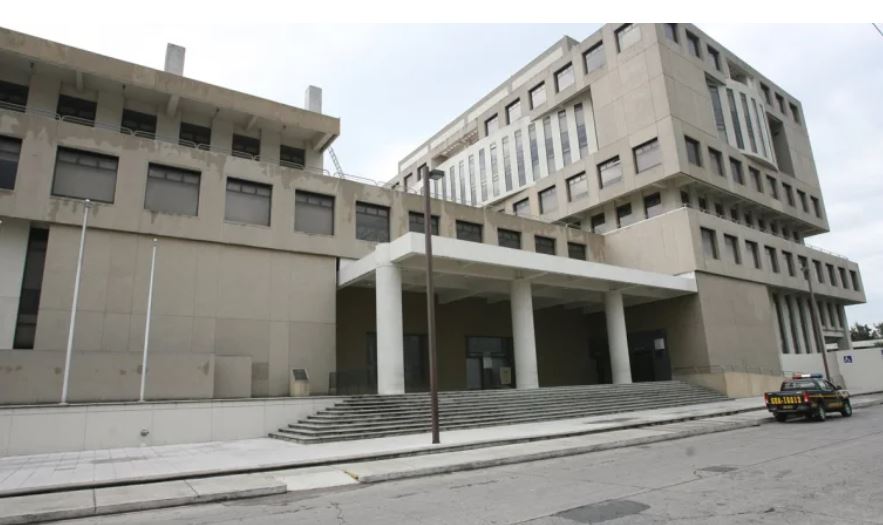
(800, 384)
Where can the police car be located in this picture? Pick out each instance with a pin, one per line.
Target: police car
(808, 395)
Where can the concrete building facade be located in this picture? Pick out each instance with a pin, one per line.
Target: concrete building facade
(583, 234)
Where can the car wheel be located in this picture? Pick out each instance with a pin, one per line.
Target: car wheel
(847, 409)
(781, 418)
(821, 414)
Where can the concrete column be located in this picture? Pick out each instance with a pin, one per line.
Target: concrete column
(13, 250)
(811, 343)
(617, 338)
(390, 345)
(799, 340)
(846, 342)
(786, 324)
(523, 335)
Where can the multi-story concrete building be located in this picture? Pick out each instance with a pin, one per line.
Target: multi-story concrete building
(655, 193)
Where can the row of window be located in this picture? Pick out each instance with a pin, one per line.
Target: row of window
(716, 163)
(609, 172)
(712, 57)
(733, 254)
(87, 175)
(81, 111)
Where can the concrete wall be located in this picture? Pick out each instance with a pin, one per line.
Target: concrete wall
(13, 247)
(36, 430)
(865, 372)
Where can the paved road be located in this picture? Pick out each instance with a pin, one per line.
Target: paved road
(799, 472)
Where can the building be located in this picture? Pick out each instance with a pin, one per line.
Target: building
(629, 208)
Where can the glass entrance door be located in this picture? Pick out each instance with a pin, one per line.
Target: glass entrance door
(489, 363)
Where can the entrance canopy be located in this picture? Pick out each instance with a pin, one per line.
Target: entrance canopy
(464, 269)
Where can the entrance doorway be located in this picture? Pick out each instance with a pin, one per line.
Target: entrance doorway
(416, 363)
(489, 363)
(648, 357)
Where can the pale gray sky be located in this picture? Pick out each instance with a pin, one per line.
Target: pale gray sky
(394, 85)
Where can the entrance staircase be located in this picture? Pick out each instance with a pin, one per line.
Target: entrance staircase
(373, 416)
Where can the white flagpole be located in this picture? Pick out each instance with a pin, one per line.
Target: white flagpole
(70, 335)
(147, 323)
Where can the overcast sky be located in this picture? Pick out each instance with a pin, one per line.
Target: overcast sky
(395, 85)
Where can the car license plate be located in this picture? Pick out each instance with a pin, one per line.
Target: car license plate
(787, 407)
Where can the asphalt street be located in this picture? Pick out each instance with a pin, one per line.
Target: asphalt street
(799, 472)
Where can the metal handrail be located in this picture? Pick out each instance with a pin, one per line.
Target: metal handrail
(829, 252)
(356, 178)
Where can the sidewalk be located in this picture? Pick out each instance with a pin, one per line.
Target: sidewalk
(305, 467)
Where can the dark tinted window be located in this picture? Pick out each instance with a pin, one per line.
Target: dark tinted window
(509, 238)
(140, 124)
(418, 225)
(469, 231)
(76, 110)
(545, 245)
(372, 222)
(13, 96)
(246, 147)
(292, 157)
(194, 136)
(10, 149)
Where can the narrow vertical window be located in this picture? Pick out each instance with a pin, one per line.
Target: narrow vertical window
(534, 152)
(482, 171)
(549, 143)
(472, 178)
(519, 158)
(507, 164)
(748, 123)
(734, 115)
(495, 173)
(564, 136)
(32, 284)
(581, 137)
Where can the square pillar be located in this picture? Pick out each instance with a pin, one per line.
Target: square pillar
(812, 341)
(523, 335)
(786, 324)
(796, 325)
(617, 338)
(390, 339)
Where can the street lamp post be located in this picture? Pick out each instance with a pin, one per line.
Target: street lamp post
(147, 323)
(817, 329)
(73, 321)
(430, 301)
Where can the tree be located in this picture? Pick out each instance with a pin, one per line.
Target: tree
(861, 332)
(878, 331)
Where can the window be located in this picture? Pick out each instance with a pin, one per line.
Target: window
(748, 125)
(565, 137)
(472, 177)
(10, 149)
(795, 113)
(626, 36)
(248, 202)
(853, 276)
(372, 222)
(717, 109)
(538, 96)
(482, 173)
(84, 175)
(581, 137)
(731, 245)
(469, 231)
(544, 245)
(734, 116)
(774, 186)
(140, 124)
(780, 100)
(576, 250)
(842, 273)
(594, 57)
(13, 96)
(734, 214)
(194, 136)
(610, 172)
(736, 170)
(772, 258)
(647, 155)
(597, 222)
(709, 243)
(513, 111)
(491, 125)
(623, 215)
(766, 93)
(694, 156)
(408, 182)
(719, 209)
(717, 162)
(246, 147)
(519, 158)
(819, 275)
(789, 194)
(693, 45)
(755, 178)
(292, 157)
(803, 265)
(172, 190)
(548, 200)
(685, 199)
(314, 213)
(31, 285)
(509, 238)
(832, 278)
(789, 263)
(761, 225)
(452, 176)
(755, 255)
(564, 77)
(714, 58)
(522, 208)
(801, 196)
(652, 205)
(507, 165)
(416, 223)
(577, 187)
(534, 151)
(816, 206)
(495, 171)
(77, 110)
(703, 204)
(550, 148)
(671, 32)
